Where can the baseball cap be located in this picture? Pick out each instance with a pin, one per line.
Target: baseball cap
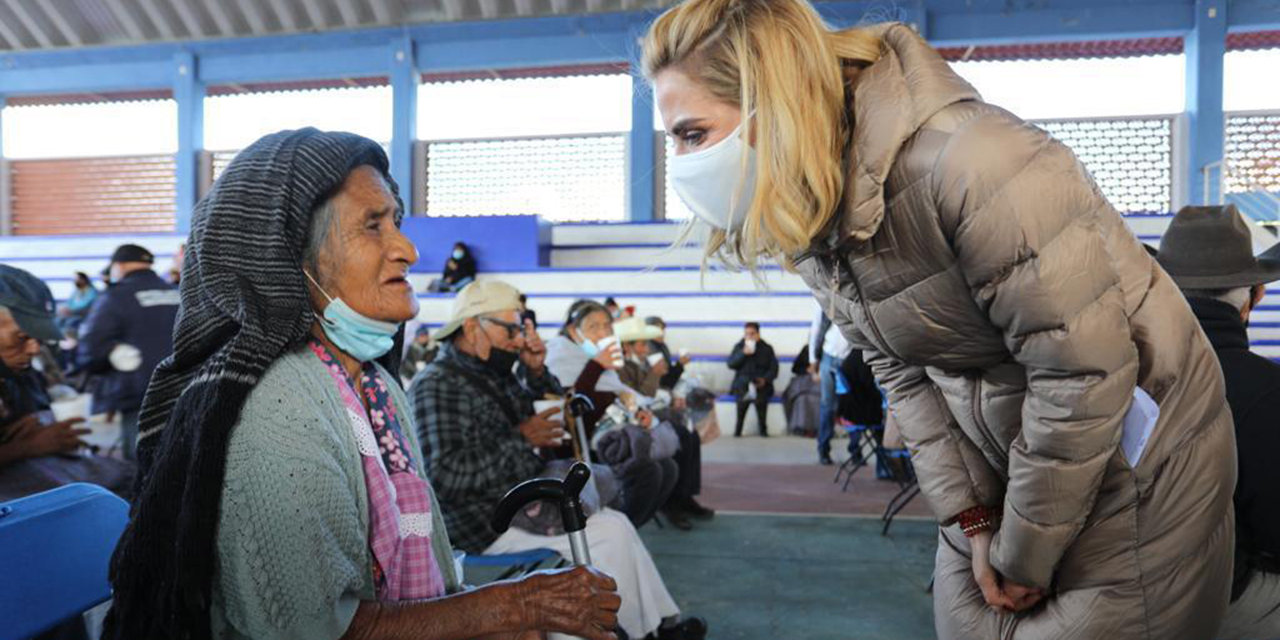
(476, 299)
(29, 302)
(132, 253)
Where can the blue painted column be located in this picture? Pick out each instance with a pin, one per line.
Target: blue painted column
(641, 153)
(1205, 47)
(404, 118)
(188, 92)
(6, 202)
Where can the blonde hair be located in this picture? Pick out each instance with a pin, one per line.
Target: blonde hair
(784, 68)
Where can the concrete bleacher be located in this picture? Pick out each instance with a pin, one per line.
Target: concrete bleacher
(632, 262)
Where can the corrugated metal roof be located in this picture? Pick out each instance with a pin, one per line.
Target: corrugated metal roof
(1103, 48)
(1253, 40)
(1067, 50)
(51, 24)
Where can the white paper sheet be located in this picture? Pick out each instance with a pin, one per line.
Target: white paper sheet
(1139, 423)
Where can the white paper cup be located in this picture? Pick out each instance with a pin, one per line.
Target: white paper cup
(125, 358)
(542, 405)
(683, 352)
(654, 359)
(608, 342)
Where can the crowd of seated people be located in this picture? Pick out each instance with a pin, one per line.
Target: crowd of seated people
(481, 434)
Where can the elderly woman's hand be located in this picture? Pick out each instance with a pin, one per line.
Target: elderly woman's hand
(580, 602)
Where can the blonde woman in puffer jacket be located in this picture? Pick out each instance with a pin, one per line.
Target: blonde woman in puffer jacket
(1012, 317)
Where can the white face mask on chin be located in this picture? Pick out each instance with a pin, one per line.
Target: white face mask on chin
(712, 183)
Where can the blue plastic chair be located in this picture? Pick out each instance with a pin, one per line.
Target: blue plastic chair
(517, 564)
(55, 547)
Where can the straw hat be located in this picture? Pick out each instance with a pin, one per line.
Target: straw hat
(635, 330)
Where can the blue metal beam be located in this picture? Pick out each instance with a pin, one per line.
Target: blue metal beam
(1204, 49)
(348, 62)
(1072, 23)
(641, 153)
(86, 78)
(1254, 15)
(188, 92)
(543, 51)
(404, 117)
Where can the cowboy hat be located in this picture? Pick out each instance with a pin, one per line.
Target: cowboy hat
(1212, 248)
(635, 330)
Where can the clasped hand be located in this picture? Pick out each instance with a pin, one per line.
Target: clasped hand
(1000, 593)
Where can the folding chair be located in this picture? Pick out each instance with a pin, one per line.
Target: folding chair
(517, 564)
(55, 547)
(862, 446)
(898, 461)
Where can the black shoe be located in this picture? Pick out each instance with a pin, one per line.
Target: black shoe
(677, 519)
(825, 459)
(697, 511)
(687, 629)
(764, 434)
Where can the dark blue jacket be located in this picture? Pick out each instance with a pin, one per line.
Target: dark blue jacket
(139, 310)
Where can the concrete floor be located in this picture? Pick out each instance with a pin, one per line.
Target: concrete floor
(761, 577)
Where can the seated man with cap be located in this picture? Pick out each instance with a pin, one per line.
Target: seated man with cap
(38, 452)
(480, 437)
(1208, 253)
(128, 332)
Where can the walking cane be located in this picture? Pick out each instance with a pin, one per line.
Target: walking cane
(562, 492)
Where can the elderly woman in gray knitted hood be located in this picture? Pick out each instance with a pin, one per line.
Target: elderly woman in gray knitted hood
(281, 492)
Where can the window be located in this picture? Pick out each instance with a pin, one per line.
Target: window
(553, 146)
(91, 130)
(233, 122)
(1082, 88)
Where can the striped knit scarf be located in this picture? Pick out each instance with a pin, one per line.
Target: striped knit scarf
(244, 304)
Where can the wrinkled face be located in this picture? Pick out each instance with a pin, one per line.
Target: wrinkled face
(693, 117)
(17, 349)
(595, 327)
(366, 259)
(751, 333)
(501, 330)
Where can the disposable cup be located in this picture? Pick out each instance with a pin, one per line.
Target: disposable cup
(606, 343)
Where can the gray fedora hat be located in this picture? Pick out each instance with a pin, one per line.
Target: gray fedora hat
(1212, 248)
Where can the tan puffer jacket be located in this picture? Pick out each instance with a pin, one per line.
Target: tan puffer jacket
(1009, 313)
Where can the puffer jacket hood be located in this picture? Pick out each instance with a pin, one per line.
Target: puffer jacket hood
(1009, 314)
(893, 99)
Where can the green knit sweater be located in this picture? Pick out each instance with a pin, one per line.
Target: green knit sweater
(293, 534)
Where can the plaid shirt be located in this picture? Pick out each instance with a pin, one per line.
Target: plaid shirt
(473, 452)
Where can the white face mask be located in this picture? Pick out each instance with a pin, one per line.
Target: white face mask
(712, 183)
